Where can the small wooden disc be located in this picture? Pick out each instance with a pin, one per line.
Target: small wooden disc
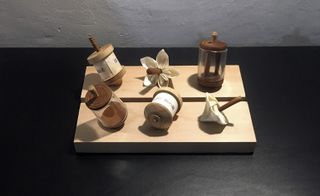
(158, 116)
(103, 53)
(117, 79)
(210, 82)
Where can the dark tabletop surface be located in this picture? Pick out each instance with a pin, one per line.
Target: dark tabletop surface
(39, 107)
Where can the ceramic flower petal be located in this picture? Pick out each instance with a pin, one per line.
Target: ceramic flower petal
(162, 59)
(163, 81)
(211, 112)
(170, 72)
(148, 62)
(150, 80)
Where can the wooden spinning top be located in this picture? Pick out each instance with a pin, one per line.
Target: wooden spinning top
(106, 63)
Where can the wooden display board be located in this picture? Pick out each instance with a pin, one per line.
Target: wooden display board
(132, 88)
(185, 135)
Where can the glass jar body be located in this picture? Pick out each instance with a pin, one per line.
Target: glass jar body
(113, 114)
(211, 67)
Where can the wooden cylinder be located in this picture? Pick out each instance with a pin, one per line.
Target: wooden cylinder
(164, 106)
(107, 64)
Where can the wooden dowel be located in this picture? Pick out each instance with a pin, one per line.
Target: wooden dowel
(94, 44)
(230, 103)
(214, 36)
(217, 64)
(207, 65)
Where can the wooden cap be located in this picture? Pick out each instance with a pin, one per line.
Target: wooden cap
(213, 44)
(103, 53)
(173, 93)
(117, 79)
(158, 116)
(98, 97)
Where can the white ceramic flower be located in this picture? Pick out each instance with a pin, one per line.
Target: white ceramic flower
(158, 71)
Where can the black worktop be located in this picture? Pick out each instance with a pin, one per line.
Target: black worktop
(39, 106)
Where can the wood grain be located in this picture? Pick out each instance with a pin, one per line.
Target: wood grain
(132, 88)
(185, 135)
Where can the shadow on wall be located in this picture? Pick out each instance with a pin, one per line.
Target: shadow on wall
(295, 38)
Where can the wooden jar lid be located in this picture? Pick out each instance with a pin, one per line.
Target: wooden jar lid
(103, 52)
(214, 44)
(173, 93)
(98, 97)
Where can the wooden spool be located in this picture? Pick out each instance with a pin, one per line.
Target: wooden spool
(160, 114)
(106, 63)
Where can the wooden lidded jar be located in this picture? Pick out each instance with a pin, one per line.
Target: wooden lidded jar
(107, 107)
(211, 62)
(164, 106)
(106, 64)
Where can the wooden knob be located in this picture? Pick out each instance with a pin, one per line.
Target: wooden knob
(214, 35)
(93, 89)
(94, 44)
(154, 71)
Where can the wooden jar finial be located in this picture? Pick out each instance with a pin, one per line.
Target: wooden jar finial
(214, 35)
(93, 89)
(94, 43)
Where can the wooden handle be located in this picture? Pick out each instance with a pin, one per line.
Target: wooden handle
(93, 89)
(154, 71)
(230, 103)
(214, 36)
(94, 44)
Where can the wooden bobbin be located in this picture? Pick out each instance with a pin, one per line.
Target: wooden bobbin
(101, 54)
(157, 115)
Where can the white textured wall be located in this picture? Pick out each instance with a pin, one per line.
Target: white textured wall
(151, 23)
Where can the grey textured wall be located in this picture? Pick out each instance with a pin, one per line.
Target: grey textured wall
(166, 23)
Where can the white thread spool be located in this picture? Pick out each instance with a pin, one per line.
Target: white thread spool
(106, 64)
(164, 106)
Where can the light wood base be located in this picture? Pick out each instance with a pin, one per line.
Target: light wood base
(185, 135)
(186, 83)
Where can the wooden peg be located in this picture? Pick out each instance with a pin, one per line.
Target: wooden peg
(214, 36)
(93, 89)
(94, 44)
(230, 103)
